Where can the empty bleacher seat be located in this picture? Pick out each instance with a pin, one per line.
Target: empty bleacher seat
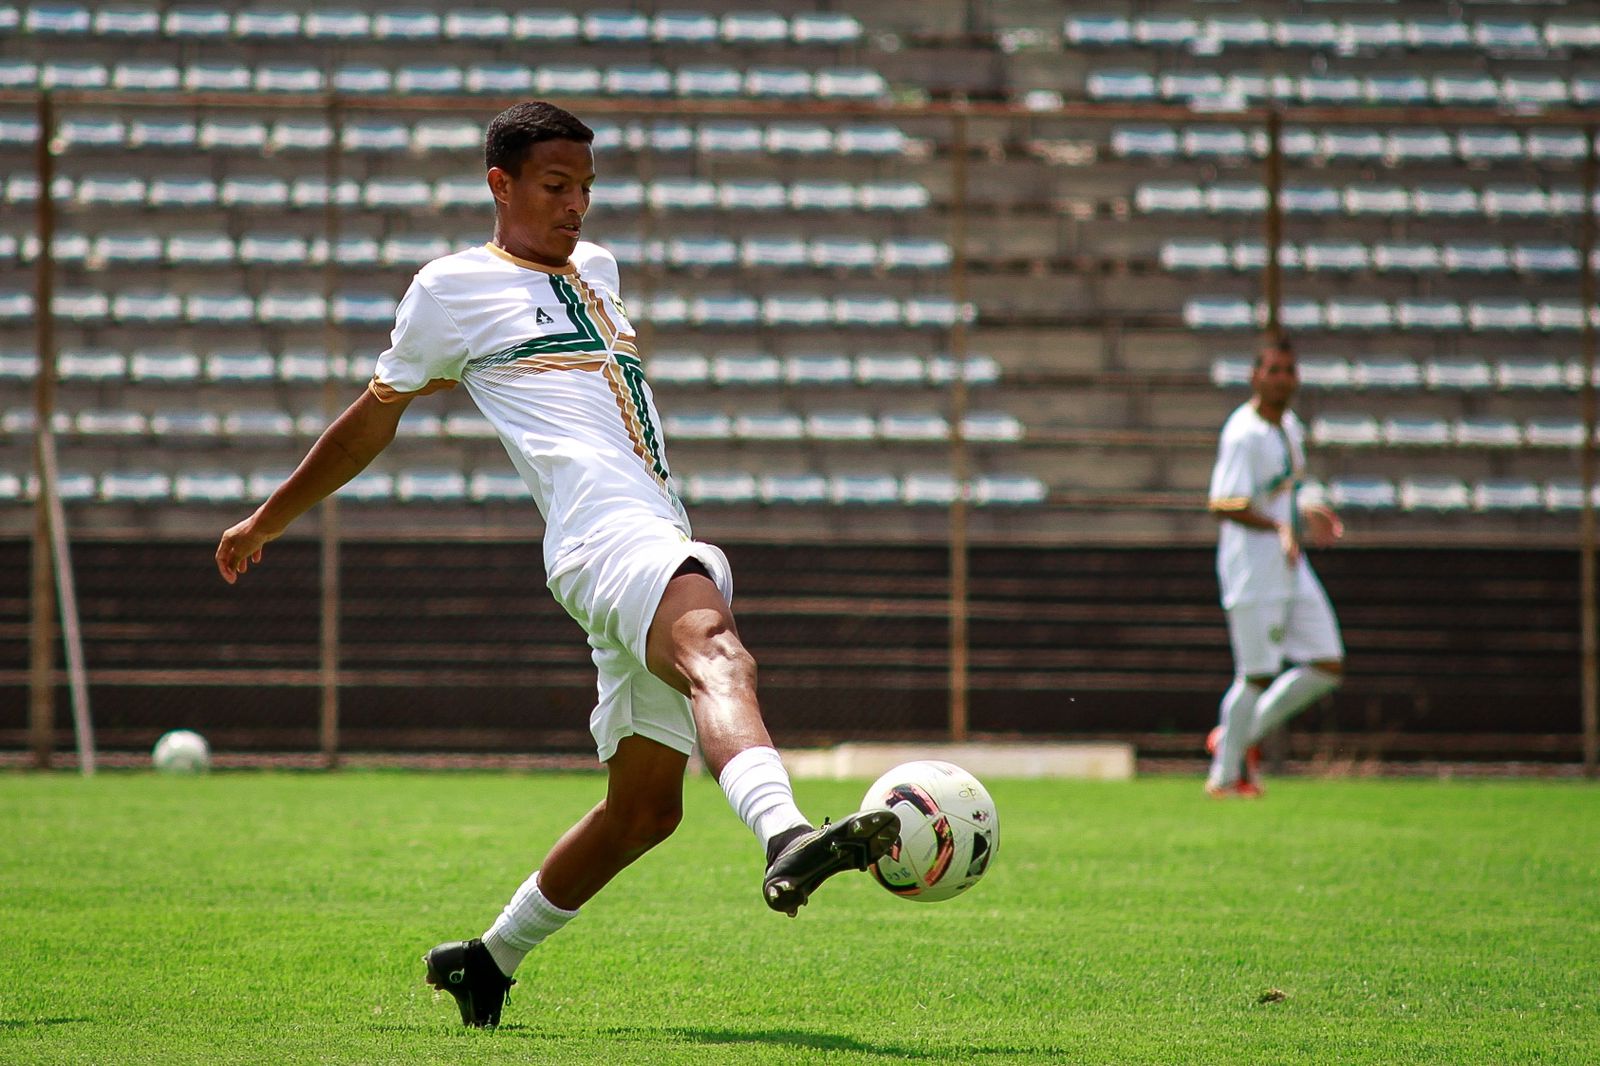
(1464, 89)
(697, 425)
(1363, 493)
(866, 310)
(1530, 374)
(1120, 84)
(818, 369)
(240, 367)
(863, 489)
(138, 486)
(1303, 199)
(477, 24)
(488, 485)
(1154, 197)
(1416, 431)
(1475, 257)
(221, 308)
(733, 487)
(1098, 30)
(254, 192)
(792, 488)
(430, 486)
(1484, 432)
(90, 132)
(164, 365)
(1355, 313)
(1135, 141)
(1405, 257)
(1345, 429)
(768, 425)
(288, 78)
(1507, 494)
(1367, 198)
(1443, 494)
(849, 83)
(992, 427)
(363, 79)
(1553, 433)
(146, 75)
(1395, 89)
(208, 487)
(753, 27)
(1423, 313)
(989, 490)
(758, 369)
(127, 22)
(780, 82)
(181, 192)
(1468, 374)
(258, 423)
(119, 248)
(840, 426)
(199, 248)
(1437, 33)
(1218, 312)
(499, 78)
(1453, 201)
(1500, 314)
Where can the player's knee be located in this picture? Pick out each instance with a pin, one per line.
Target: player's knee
(642, 826)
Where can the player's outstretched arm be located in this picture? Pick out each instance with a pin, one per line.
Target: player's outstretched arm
(345, 448)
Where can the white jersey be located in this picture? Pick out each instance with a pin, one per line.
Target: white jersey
(1259, 464)
(549, 357)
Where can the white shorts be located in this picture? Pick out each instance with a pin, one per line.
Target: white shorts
(1301, 629)
(614, 598)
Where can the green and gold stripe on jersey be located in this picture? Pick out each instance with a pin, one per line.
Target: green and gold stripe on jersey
(591, 341)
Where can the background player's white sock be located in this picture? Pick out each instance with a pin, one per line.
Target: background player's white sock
(1238, 708)
(526, 921)
(1291, 693)
(758, 789)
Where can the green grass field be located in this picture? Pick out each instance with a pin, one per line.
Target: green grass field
(278, 918)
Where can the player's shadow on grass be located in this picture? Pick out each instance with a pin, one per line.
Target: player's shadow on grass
(29, 1023)
(822, 1042)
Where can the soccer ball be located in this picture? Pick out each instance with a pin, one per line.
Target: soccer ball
(182, 751)
(949, 830)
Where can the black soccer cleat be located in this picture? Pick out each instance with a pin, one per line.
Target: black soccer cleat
(466, 970)
(811, 857)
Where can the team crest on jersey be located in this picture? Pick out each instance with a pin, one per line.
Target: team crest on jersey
(542, 317)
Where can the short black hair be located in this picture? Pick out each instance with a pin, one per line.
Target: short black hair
(1273, 344)
(518, 128)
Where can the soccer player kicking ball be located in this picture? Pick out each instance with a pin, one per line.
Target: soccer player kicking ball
(1277, 609)
(533, 325)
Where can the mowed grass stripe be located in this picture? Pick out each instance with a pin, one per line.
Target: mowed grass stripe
(279, 918)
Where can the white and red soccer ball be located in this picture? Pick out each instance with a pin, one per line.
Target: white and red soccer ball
(949, 830)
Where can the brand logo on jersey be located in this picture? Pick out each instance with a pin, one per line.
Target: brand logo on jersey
(540, 318)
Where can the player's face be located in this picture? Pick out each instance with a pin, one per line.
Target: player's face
(1276, 377)
(542, 206)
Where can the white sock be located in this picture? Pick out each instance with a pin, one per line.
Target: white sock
(1291, 693)
(525, 922)
(1238, 706)
(758, 789)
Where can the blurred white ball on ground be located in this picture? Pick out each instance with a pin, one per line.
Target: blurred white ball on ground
(181, 751)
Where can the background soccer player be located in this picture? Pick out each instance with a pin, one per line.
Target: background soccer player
(534, 326)
(1277, 609)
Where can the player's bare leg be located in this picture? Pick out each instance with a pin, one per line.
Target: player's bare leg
(643, 805)
(694, 645)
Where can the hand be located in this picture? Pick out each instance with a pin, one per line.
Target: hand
(1322, 526)
(1291, 545)
(240, 546)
